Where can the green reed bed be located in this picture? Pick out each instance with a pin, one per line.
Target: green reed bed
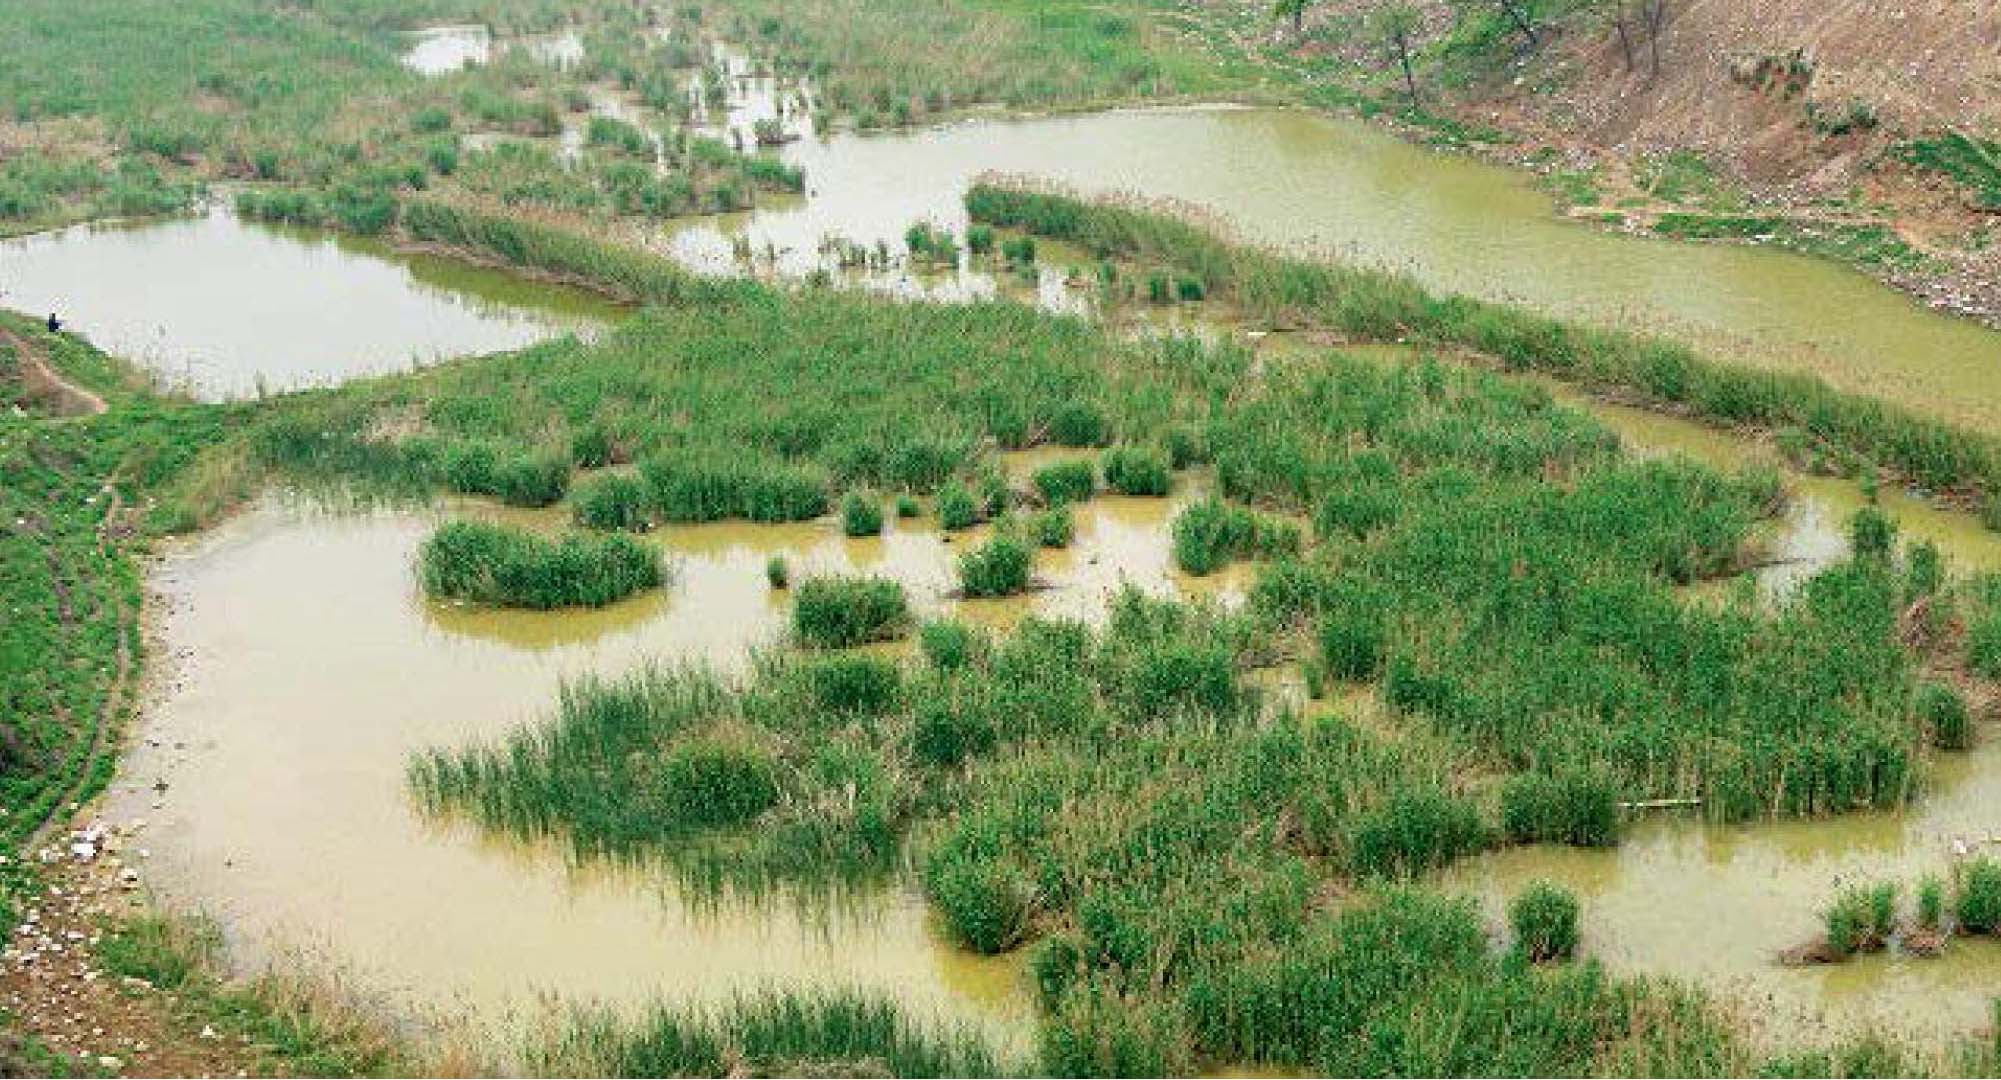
(770, 1033)
(512, 567)
(840, 612)
(1378, 305)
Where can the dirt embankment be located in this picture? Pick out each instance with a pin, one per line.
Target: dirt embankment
(1797, 103)
(38, 386)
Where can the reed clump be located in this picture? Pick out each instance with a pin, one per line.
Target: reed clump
(509, 567)
(1137, 470)
(999, 567)
(841, 612)
(1544, 920)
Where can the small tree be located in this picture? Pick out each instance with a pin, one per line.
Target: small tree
(1522, 15)
(1394, 24)
(1294, 10)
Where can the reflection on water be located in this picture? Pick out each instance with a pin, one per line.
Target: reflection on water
(222, 306)
(306, 667)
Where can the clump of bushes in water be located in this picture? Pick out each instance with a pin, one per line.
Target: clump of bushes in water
(1066, 482)
(772, 1033)
(1544, 920)
(999, 567)
(1054, 527)
(838, 613)
(495, 564)
(1978, 904)
(1135, 470)
(956, 508)
(1209, 534)
(777, 572)
(861, 515)
(1861, 919)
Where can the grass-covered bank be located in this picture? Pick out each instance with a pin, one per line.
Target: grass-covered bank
(1372, 305)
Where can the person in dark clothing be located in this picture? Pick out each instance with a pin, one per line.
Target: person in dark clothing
(55, 324)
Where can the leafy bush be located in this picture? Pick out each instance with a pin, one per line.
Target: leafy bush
(1134, 470)
(1066, 482)
(997, 568)
(861, 515)
(1978, 905)
(1544, 920)
(1943, 713)
(1210, 533)
(838, 612)
(956, 509)
(1414, 831)
(496, 564)
(1054, 527)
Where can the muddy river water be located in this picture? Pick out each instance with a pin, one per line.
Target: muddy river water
(298, 666)
(305, 667)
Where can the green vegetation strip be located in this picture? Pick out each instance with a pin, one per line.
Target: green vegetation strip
(1374, 305)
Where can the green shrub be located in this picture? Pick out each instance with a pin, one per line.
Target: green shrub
(1413, 831)
(538, 479)
(1931, 903)
(591, 448)
(716, 783)
(984, 904)
(838, 612)
(1860, 919)
(1943, 713)
(997, 568)
(980, 239)
(1066, 482)
(1019, 249)
(950, 730)
(1871, 533)
(612, 501)
(1207, 535)
(956, 509)
(1983, 643)
(1978, 905)
(947, 645)
(1054, 527)
(906, 507)
(1134, 470)
(1353, 631)
(496, 564)
(1577, 807)
(1078, 423)
(777, 572)
(854, 684)
(861, 515)
(1544, 920)
(697, 488)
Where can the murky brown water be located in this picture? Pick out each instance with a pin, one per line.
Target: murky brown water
(1715, 904)
(219, 306)
(1314, 183)
(305, 668)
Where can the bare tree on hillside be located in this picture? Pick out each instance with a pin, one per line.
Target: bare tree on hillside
(1655, 12)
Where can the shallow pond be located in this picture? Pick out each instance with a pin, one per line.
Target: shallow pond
(221, 306)
(1318, 184)
(303, 667)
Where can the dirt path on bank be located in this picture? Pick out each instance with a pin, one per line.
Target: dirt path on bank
(43, 386)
